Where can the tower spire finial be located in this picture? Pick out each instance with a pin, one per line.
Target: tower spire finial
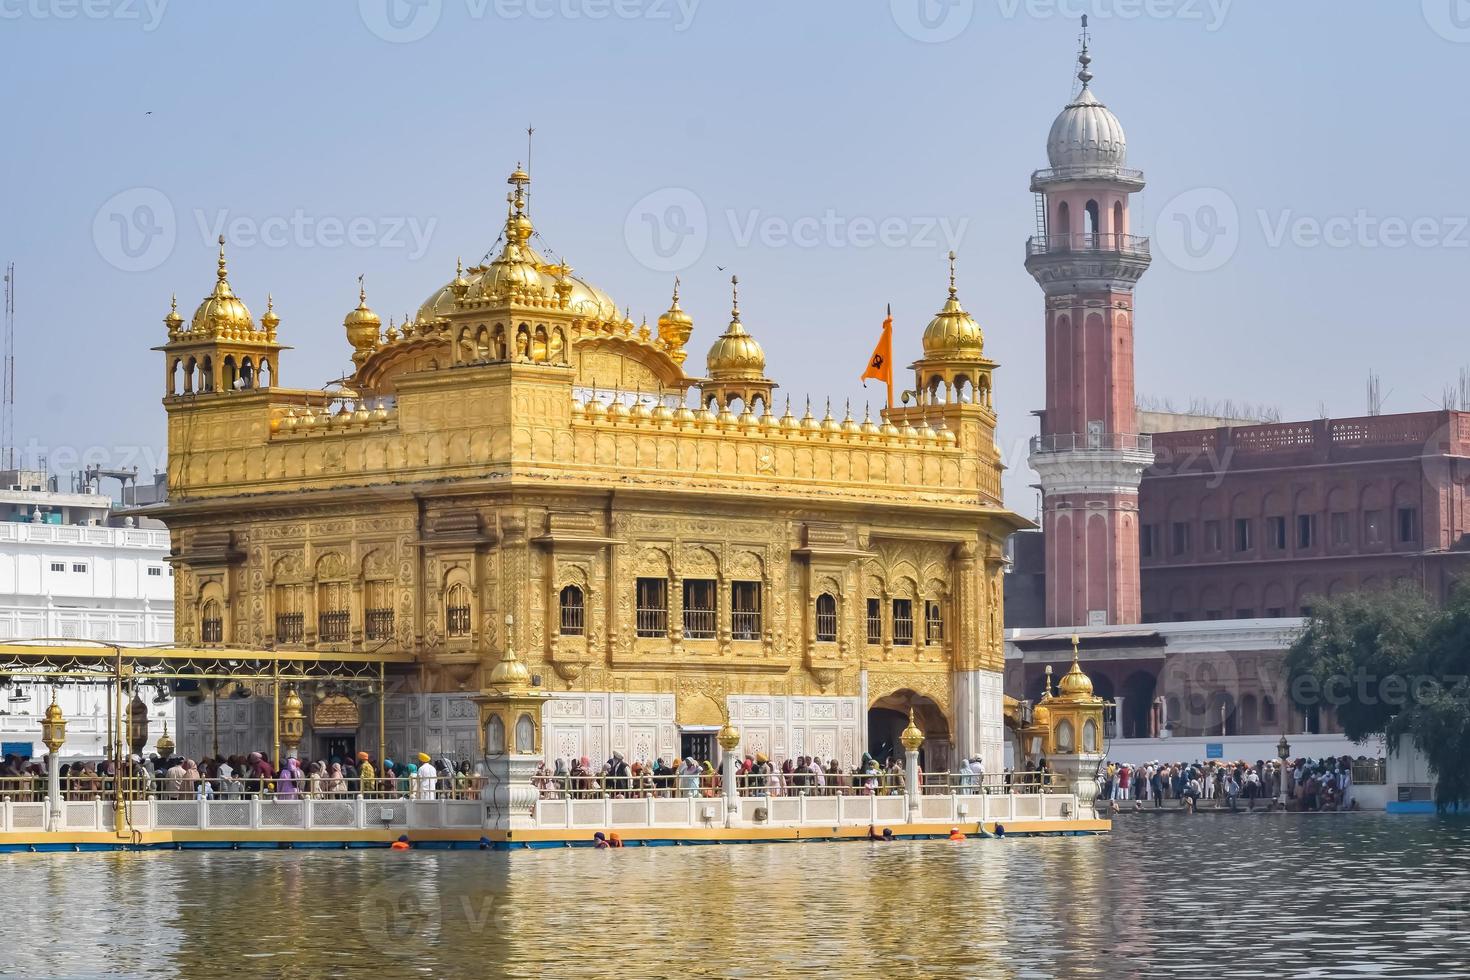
(1083, 58)
(735, 298)
(952, 291)
(361, 291)
(676, 290)
(223, 273)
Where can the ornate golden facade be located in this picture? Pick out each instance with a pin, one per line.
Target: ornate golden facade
(520, 456)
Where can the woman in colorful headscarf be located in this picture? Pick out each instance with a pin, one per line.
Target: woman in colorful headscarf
(288, 781)
(337, 782)
(317, 781)
(709, 781)
(408, 783)
(689, 778)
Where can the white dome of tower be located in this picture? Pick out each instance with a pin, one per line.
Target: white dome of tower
(1086, 135)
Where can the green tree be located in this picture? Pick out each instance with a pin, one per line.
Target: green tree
(1391, 664)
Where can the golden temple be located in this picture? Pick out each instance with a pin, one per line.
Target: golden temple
(521, 464)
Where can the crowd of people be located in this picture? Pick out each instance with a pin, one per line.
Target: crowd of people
(1310, 784)
(755, 775)
(238, 777)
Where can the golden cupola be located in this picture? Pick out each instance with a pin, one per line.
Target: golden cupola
(736, 356)
(674, 329)
(953, 333)
(1074, 685)
(221, 349)
(736, 364)
(222, 314)
(364, 328)
(954, 376)
(519, 273)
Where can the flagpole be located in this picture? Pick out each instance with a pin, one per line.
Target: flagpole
(890, 367)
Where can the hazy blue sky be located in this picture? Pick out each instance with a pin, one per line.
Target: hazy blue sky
(1317, 146)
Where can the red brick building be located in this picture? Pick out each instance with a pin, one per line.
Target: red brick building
(1257, 520)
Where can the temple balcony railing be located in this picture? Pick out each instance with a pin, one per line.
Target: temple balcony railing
(1087, 242)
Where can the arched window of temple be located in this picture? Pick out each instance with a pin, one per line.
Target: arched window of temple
(826, 618)
(1093, 223)
(573, 613)
(457, 610)
(211, 622)
(1089, 736)
(525, 735)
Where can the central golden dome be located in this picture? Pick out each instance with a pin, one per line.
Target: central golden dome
(1074, 684)
(222, 312)
(735, 355)
(519, 268)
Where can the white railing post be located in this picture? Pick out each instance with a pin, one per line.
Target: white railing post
(359, 812)
(203, 813)
(308, 813)
(255, 813)
(801, 809)
(648, 800)
(5, 815)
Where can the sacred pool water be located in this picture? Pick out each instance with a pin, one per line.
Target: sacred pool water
(1211, 896)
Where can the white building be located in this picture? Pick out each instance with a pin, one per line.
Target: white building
(69, 571)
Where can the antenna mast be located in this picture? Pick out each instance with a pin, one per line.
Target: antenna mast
(7, 374)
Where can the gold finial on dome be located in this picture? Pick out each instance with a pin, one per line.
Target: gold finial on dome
(270, 321)
(953, 293)
(459, 285)
(674, 328)
(362, 326)
(173, 321)
(222, 273)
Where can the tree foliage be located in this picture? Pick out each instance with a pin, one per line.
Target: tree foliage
(1391, 664)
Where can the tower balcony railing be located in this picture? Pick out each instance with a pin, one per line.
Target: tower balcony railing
(1084, 442)
(1085, 172)
(1087, 242)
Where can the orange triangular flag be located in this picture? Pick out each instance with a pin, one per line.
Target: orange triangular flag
(880, 365)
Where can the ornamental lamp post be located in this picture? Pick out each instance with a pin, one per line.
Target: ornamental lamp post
(729, 739)
(293, 721)
(1283, 749)
(53, 734)
(911, 738)
(164, 745)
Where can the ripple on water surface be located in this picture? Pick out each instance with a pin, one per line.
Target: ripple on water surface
(1163, 896)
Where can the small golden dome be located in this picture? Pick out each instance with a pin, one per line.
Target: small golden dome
(173, 320)
(674, 328)
(222, 313)
(270, 321)
(1075, 684)
(869, 427)
(595, 408)
(1041, 715)
(510, 672)
(736, 356)
(459, 285)
(953, 332)
(363, 325)
(53, 713)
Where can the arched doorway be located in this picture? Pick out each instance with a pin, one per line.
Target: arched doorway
(888, 716)
(1138, 705)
